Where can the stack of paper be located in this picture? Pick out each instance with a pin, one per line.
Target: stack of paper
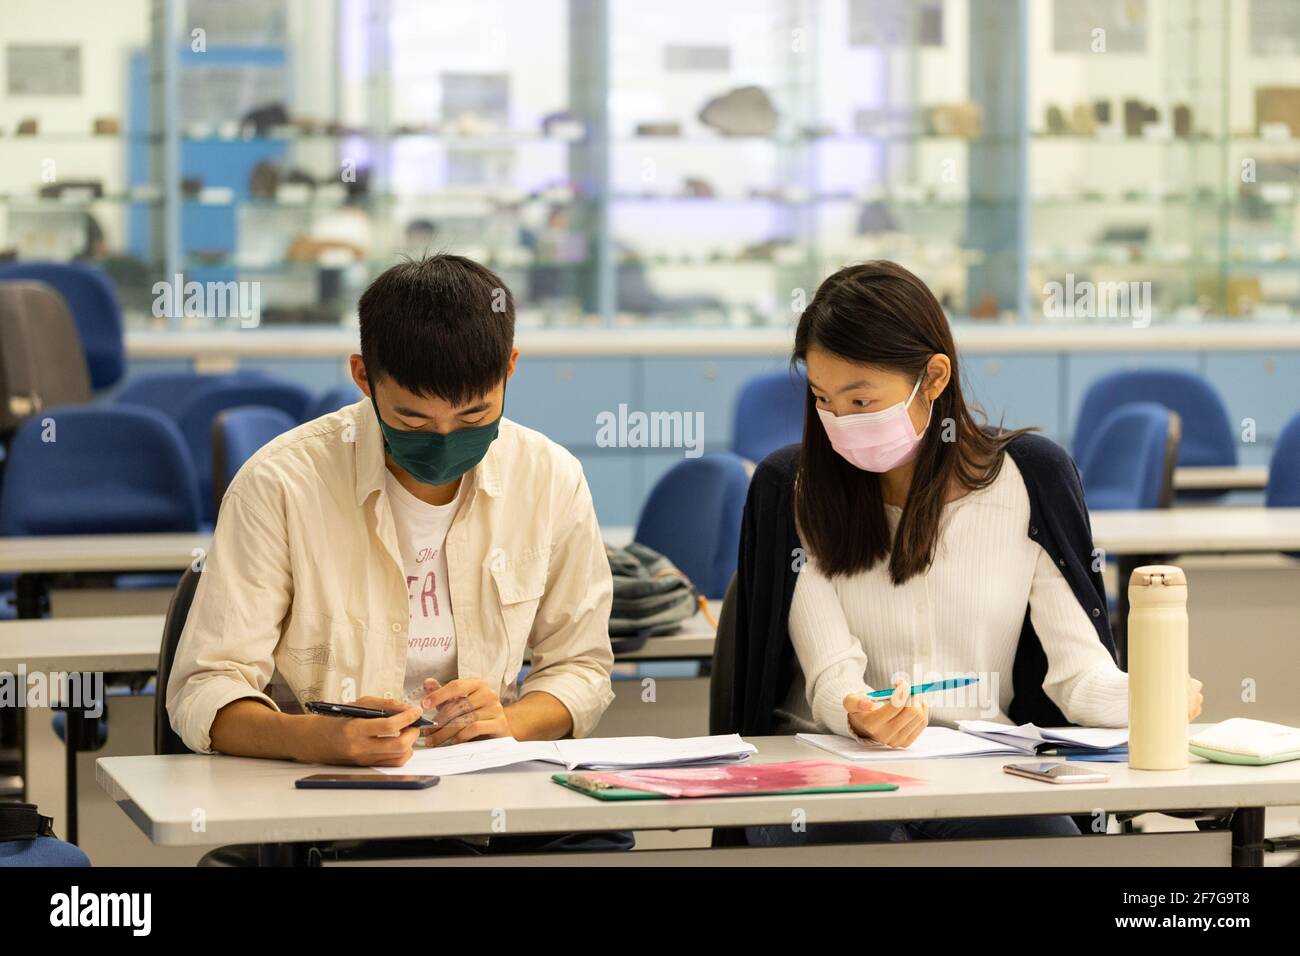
(592, 753)
(975, 738)
(1030, 739)
(933, 742)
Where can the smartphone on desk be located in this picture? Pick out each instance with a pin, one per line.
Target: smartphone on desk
(366, 781)
(1053, 772)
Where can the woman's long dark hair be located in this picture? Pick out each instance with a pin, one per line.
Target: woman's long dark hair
(878, 313)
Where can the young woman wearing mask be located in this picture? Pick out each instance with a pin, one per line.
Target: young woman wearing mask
(903, 542)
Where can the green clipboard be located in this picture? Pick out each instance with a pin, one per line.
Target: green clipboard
(623, 793)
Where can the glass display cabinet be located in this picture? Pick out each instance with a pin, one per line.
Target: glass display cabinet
(682, 163)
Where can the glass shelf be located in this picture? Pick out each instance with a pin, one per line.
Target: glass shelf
(612, 160)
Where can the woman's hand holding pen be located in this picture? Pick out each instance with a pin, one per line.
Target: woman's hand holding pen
(895, 722)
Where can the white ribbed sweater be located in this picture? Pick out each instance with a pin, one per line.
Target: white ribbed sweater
(960, 618)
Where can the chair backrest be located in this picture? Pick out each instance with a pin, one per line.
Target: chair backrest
(166, 740)
(169, 392)
(769, 414)
(100, 469)
(721, 692)
(237, 434)
(196, 417)
(1207, 434)
(333, 399)
(42, 362)
(1284, 470)
(692, 516)
(94, 306)
(1129, 462)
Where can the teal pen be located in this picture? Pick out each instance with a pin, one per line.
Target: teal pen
(926, 688)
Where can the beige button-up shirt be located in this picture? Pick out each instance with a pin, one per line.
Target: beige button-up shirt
(303, 593)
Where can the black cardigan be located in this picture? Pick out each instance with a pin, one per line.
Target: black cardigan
(763, 659)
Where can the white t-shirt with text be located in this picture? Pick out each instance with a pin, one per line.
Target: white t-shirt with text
(421, 534)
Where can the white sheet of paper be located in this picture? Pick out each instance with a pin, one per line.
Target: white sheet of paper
(475, 755)
(597, 752)
(933, 742)
(590, 752)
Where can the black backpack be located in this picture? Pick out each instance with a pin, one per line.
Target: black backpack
(651, 596)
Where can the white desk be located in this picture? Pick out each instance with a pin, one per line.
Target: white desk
(1239, 478)
(108, 644)
(53, 554)
(1161, 535)
(39, 559)
(131, 643)
(254, 801)
(1201, 530)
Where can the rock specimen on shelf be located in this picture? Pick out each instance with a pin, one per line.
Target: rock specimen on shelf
(744, 111)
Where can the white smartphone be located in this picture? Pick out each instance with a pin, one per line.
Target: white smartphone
(1056, 772)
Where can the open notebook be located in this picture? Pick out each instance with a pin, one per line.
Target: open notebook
(589, 753)
(976, 738)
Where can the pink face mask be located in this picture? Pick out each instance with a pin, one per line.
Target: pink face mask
(876, 441)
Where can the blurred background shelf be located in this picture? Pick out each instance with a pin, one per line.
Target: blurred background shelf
(710, 160)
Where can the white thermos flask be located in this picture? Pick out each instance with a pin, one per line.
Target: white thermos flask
(1157, 668)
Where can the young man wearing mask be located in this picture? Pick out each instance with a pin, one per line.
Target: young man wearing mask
(402, 553)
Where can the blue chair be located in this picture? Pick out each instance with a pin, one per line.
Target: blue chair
(110, 470)
(769, 414)
(1129, 461)
(333, 399)
(196, 416)
(692, 516)
(1208, 438)
(1283, 489)
(168, 392)
(41, 851)
(237, 434)
(93, 303)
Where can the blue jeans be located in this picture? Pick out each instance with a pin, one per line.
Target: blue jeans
(890, 831)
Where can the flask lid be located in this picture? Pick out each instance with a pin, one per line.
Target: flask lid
(1165, 575)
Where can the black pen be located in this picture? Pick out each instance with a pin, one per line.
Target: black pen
(324, 709)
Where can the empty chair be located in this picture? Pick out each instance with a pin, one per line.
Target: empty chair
(92, 300)
(237, 434)
(195, 419)
(692, 516)
(1129, 462)
(769, 414)
(168, 392)
(1284, 470)
(98, 470)
(1208, 438)
(333, 399)
(42, 363)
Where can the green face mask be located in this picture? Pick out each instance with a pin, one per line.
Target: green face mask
(432, 458)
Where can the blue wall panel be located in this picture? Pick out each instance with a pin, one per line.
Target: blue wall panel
(1021, 390)
(708, 385)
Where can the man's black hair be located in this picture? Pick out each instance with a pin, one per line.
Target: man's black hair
(442, 327)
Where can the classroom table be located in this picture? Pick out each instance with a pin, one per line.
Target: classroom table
(41, 560)
(248, 801)
(131, 644)
(1221, 478)
(1160, 535)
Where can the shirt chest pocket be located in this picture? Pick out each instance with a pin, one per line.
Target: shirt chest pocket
(520, 586)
